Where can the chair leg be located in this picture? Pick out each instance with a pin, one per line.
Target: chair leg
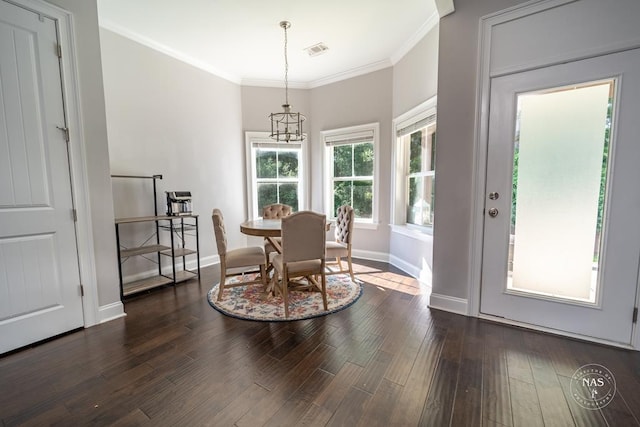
(285, 292)
(324, 291)
(263, 276)
(273, 283)
(223, 277)
(350, 267)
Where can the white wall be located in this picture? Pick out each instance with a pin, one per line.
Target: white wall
(167, 117)
(359, 100)
(457, 65)
(415, 79)
(85, 20)
(415, 76)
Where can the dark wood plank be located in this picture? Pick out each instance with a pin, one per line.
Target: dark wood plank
(524, 404)
(496, 399)
(467, 407)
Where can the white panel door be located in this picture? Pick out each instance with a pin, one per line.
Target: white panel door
(39, 274)
(549, 258)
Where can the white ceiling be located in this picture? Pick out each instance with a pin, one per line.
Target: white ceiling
(241, 40)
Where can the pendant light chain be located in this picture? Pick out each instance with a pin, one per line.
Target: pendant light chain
(286, 68)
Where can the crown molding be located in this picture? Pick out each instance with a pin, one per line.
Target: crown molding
(354, 72)
(428, 25)
(273, 83)
(145, 41)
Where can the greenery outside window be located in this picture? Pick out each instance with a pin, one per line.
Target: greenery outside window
(350, 160)
(276, 173)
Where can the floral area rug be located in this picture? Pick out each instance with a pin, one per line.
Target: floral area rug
(252, 303)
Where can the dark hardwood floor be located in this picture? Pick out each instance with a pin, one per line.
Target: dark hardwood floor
(388, 360)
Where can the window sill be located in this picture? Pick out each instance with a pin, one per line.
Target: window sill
(418, 233)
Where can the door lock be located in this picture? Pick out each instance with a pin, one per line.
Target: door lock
(493, 212)
(494, 195)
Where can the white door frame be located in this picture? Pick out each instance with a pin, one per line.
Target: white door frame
(77, 153)
(484, 75)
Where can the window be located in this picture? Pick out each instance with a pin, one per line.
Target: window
(276, 173)
(351, 169)
(414, 178)
(420, 175)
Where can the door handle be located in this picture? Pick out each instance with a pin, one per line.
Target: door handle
(493, 212)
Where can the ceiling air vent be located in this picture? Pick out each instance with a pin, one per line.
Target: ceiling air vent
(317, 49)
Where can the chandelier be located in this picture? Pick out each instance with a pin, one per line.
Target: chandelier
(286, 126)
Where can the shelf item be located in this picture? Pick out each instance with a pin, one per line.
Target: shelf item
(176, 229)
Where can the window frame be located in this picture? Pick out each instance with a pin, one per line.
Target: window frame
(342, 136)
(400, 164)
(256, 140)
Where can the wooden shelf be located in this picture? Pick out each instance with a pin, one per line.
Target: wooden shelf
(145, 284)
(124, 253)
(178, 252)
(183, 275)
(151, 218)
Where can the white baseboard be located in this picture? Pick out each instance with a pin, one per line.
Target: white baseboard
(448, 303)
(423, 276)
(207, 261)
(110, 312)
(370, 255)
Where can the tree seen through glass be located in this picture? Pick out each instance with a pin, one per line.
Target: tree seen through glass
(353, 178)
(277, 177)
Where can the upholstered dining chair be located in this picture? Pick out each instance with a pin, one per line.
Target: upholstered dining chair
(237, 258)
(302, 257)
(274, 211)
(341, 246)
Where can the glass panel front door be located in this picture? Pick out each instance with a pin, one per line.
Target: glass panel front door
(561, 244)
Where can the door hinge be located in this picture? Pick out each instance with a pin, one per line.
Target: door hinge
(74, 212)
(635, 315)
(59, 50)
(81, 290)
(66, 133)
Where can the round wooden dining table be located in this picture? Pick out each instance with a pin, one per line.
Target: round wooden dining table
(267, 228)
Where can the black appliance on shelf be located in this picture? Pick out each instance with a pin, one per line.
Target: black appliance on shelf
(179, 203)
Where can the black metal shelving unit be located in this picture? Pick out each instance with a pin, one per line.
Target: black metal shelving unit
(179, 227)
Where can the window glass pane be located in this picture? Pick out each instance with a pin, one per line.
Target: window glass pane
(267, 194)
(415, 152)
(288, 164)
(363, 159)
(266, 164)
(421, 198)
(431, 148)
(422, 150)
(341, 194)
(342, 160)
(363, 198)
(289, 195)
